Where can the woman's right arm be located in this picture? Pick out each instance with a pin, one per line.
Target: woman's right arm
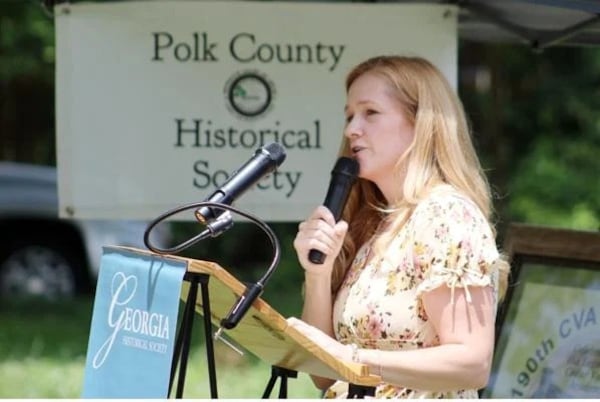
(317, 311)
(320, 232)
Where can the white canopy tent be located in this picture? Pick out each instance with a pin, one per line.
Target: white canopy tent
(537, 23)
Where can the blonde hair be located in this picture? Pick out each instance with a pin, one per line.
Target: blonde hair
(441, 152)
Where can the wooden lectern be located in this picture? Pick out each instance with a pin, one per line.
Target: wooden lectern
(263, 331)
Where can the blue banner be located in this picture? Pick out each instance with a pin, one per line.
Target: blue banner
(133, 328)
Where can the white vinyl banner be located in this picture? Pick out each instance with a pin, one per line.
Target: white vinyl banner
(158, 102)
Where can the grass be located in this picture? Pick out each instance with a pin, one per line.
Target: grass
(43, 347)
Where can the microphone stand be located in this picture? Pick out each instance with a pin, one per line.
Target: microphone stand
(182, 345)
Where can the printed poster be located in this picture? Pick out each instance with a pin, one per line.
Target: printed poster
(131, 343)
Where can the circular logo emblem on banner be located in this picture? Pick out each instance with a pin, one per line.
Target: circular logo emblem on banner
(249, 94)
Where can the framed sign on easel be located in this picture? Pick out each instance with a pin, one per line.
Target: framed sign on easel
(548, 327)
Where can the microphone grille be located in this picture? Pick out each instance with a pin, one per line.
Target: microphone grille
(346, 166)
(276, 152)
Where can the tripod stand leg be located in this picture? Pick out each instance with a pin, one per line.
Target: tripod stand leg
(187, 335)
(182, 344)
(269, 387)
(210, 354)
(283, 387)
(177, 350)
(283, 374)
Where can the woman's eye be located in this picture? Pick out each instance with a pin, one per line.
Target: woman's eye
(370, 112)
(349, 118)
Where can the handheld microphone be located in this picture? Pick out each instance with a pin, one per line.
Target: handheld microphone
(343, 176)
(264, 161)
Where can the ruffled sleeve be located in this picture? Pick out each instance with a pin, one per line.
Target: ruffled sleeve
(453, 245)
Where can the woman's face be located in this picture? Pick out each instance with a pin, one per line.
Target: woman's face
(377, 131)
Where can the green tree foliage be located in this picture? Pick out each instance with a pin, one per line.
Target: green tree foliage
(535, 120)
(561, 187)
(26, 82)
(26, 41)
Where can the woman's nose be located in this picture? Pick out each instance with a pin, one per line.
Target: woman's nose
(352, 129)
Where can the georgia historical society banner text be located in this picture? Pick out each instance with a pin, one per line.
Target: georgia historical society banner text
(132, 335)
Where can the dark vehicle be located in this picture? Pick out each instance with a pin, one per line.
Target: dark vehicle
(42, 255)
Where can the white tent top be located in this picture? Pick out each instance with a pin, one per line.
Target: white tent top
(536, 23)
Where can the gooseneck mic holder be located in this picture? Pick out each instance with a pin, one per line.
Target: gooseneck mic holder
(214, 228)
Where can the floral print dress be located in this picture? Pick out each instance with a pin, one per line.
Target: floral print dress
(447, 240)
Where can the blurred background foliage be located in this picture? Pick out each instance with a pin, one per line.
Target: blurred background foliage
(535, 120)
(26, 83)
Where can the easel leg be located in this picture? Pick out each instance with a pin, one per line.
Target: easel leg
(210, 354)
(283, 374)
(177, 350)
(182, 344)
(186, 334)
